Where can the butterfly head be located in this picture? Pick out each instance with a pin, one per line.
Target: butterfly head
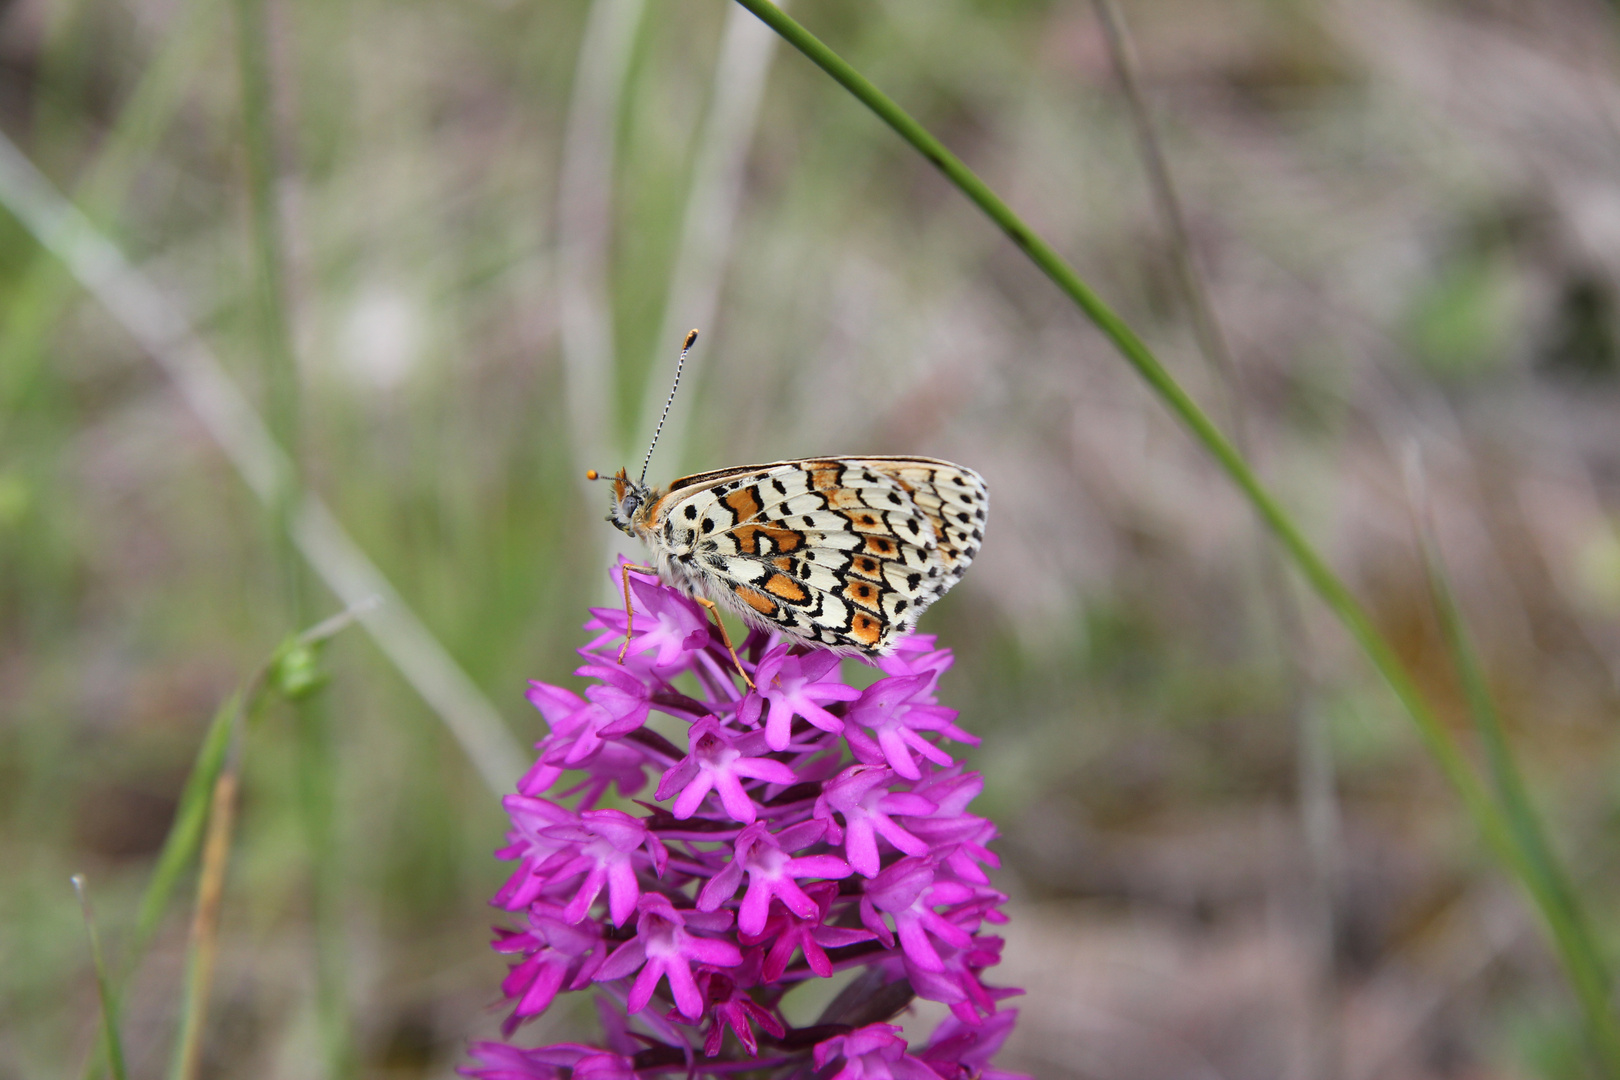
(631, 495)
(627, 497)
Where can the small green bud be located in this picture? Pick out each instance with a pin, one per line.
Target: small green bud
(296, 673)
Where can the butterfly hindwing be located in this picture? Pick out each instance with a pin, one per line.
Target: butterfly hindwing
(841, 552)
(955, 503)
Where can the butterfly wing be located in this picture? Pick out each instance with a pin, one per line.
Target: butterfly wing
(841, 552)
(952, 499)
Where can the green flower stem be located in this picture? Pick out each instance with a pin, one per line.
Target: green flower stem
(1477, 801)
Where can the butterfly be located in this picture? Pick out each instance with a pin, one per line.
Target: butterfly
(839, 553)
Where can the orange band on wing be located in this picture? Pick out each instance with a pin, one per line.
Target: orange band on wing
(758, 601)
(743, 503)
(779, 540)
(786, 588)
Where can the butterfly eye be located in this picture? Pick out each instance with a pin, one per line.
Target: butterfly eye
(628, 505)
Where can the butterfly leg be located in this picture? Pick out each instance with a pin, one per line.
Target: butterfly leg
(629, 612)
(714, 610)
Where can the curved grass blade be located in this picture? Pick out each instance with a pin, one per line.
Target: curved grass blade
(109, 1000)
(1547, 883)
(286, 670)
(1476, 799)
(205, 925)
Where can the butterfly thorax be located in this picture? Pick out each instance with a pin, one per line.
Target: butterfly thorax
(633, 509)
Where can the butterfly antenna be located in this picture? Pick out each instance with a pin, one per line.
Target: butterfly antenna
(659, 430)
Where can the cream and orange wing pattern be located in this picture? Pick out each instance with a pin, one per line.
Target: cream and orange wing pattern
(844, 553)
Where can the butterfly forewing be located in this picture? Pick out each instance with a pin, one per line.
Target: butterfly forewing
(842, 552)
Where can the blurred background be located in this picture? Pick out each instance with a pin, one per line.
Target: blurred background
(448, 249)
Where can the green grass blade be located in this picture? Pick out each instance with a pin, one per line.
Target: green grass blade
(40, 298)
(208, 388)
(204, 947)
(291, 671)
(186, 833)
(1305, 558)
(277, 365)
(317, 767)
(1441, 745)
(179, 847)
(109, 999)
(1546, 881)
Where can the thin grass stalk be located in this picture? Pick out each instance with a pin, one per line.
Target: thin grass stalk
(1311, 565)
(163, 332)
(39, 298)
(185, 835)
(707, 224)
(204, 946)
(112, 1043)
(316, 769)
(316, 784)
(1314, 771)
(1553, 892)
(1448, 756)
(269, 291)
(179, 847)
(191, 815)
(199, 792)
(584, 244)
(1207, 331)
(584, 226)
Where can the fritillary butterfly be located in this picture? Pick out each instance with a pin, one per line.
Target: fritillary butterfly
(842, 553)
